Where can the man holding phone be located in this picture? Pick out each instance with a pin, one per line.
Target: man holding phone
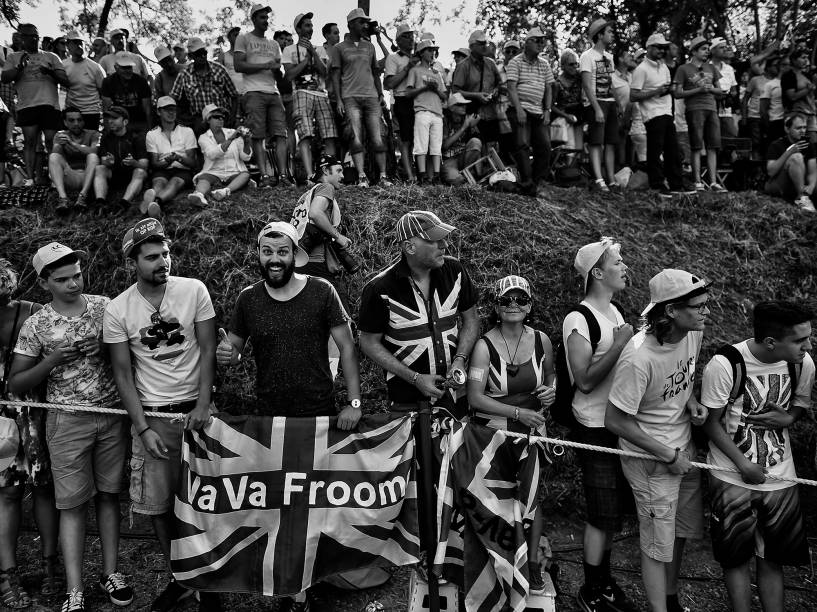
(791, 163)
(123, 159)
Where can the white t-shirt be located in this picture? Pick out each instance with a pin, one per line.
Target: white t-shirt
(181, 139)
(258, 50)
(589, 408)
(773, 93)
(653, 382)
(395, 63)
(601, 69)
(309, 80)
(726, 83)
(163, 344)
(650, 75)
(85, 80)
(236, 77)
(765, 382)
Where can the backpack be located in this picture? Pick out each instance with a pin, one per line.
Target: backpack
(562, 407)
(739, 372)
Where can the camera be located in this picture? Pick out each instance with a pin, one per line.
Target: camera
(314, 237)
(372, 28)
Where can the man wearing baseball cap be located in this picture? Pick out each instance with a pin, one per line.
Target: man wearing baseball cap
(477, 78)
(118, 40)
(591, 358)
(60, 346)
(419, 352)
(651, 409)
(651, 88)
(728, 83)
(398, 66)
(123, 159)
(530, 87)
(307, 66)
(166, 77)
(180, 52)
(85, 79)
(258, 58)
(129, 90)
(161, 338)
(461, 143)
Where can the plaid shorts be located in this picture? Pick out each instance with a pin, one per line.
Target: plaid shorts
(310, 109)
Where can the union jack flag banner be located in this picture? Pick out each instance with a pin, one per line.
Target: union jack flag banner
(491, 481)
(272, 505)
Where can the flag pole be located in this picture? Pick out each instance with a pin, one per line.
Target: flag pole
(428, 530)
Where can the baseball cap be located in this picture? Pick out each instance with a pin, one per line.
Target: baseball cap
(162, 53)
(425, 44)
(477, 36)
(357, 13)
(329, 160)
(165, 101)
(597, 26)
(511, 282)
(288, 230)
(233, 29)
(53, 251)
(424, 224)
(259, 7)
(589, 255)
(402, 29)
(456, 98)
(512, 43)
(123, 59)
(657, 40)
(117, 111)
(178, 45)
(672, 286)
(195, 44)
(465, 52)
(210, 109)
(535, 33)
(117, 32)
(718, 40)
(73, 35)
(300, 17)
(9, 441)
(697, 42)
(639, 53)
(139, 233)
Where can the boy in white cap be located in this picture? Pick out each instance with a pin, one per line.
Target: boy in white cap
(651, 409)
(591, 358)
(61, 345)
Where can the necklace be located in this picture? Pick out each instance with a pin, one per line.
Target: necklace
(513, 368)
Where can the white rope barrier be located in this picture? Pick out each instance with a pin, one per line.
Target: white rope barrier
(78, 408)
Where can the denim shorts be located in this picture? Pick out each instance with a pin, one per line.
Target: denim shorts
(704, 129)
(265, 114)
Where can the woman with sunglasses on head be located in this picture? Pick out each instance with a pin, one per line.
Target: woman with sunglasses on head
(511, 381)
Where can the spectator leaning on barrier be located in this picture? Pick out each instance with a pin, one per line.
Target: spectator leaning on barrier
(202, 82)
(61, 345)
(307, 66)
(650, 88)
(161, 337)
(123, 159)
(600, 113)
(651, 408)
(73, 160)
(423, 276)
(356, 82)
(461, 143)
(792, 165)
(754, 515)
(85, 79)
(426, 87)
(590, 366)
(530, 87)
(398, 66)
(257, 58)
(130, 91)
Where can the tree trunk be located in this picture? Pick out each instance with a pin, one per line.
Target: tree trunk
(779, 30)
(756, 11)
(104, 15)
(795, 10)
(365, 5)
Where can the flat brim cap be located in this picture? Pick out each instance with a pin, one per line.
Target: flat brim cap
(51, 252)
(597, 26)
(424, 224)
(288, 230)
(671, 285)
(139, 233)
(456, 98)
(9, 442)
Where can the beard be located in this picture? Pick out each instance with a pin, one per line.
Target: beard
(277, 283)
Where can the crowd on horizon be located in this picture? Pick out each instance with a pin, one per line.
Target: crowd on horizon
(212, 121)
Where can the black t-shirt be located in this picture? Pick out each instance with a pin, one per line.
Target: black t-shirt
(421, 334)
(290, 342)
(127, 94)
(779, 146)
(120, 146)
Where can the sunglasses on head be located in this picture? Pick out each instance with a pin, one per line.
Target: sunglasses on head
(507, 300)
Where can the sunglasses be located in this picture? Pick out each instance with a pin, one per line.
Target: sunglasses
(507, 300)
(217, 117)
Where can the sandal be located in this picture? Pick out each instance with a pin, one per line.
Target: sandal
(12, 593)
(53, 584)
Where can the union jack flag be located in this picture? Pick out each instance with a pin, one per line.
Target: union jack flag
(488, 492)
(273, 505)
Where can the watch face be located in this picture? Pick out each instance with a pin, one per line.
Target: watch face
(355, 403)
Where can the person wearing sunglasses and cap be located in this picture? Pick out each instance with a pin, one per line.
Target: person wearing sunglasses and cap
(511, 382)
(652, 409)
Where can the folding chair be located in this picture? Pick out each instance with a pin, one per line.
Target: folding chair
(474, 173)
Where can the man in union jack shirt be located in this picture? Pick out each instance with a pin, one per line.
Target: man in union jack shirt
(418, 317)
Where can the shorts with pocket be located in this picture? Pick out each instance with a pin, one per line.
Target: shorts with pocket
(704, 129)
(602, 132)
(153, 481)
(311, 110)
(265, 115)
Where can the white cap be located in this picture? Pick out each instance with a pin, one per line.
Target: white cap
(672, 285)
(165, 101)
(162, 53)
(511, 282)
(589, 255)
(288, 230)
(53, 251)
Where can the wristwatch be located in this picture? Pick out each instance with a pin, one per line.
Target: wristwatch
(355, 403)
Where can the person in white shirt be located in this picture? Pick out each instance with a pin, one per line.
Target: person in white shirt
(172, 149)
(771, 104)
(719, 50)
(84, 82)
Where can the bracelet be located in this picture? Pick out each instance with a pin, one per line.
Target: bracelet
(516, 414)
(463, 355)
(677, 454)
(144, 430)
(414, 378)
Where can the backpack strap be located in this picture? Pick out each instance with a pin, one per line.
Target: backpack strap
(794, 376)
(738, 371)
(592, 324)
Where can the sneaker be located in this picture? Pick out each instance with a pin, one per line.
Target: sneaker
(209, 602)
(147, 199)
(171, 597)
(63, 206)
(600, 185)
(363, 182)
(717, 188)
(616, 600)
(590, 601)
(75, 602)
(81, 202)
(196, 198)
(615, 188)
(119, 592)
(805, 203)
(252, 184)
(536, 579)
(219, 194)
(699, 186)
(385, 182)
(265, 181)
(154, 210)
(285, 181)
(100, 203)
(29, 183)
